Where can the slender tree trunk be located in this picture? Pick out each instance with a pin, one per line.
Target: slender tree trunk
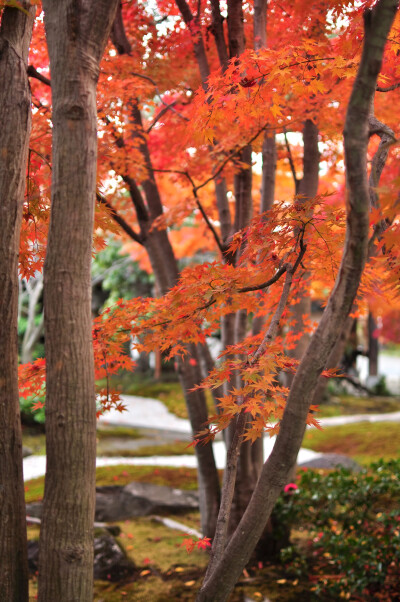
(269, 143)
(308, 187)
(76, 37)
(15, 119)
(269, 157)
(209, 488)
(166, 270)
(373, 347)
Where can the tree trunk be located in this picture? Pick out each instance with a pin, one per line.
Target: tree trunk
(15, 118)
(373, 347)
(76, 37)
(166, 271)
(209, 488)
(334, 359)
(224, 574)
(308, 187)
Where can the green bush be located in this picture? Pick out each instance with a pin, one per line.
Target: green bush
(28, 414)
(352, 522)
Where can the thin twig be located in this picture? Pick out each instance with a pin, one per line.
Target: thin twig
(291, 162)
(160, 114)
(168, 106)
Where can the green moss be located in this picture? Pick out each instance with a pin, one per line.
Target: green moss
(182, 478)
(346, 405)
(177, 448)
(365, 442)
(104, 432)
(35, 441)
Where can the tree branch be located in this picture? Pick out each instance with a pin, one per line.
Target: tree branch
(388, 89)
(198, 203)
(32, 72)
(160, 114)
(291, 163)
(119, 220)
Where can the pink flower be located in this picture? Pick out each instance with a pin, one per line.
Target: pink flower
(290, 487)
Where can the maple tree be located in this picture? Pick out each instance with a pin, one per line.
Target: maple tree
(183, 162)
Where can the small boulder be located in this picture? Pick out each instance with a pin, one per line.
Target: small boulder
(33, 556)
(329, 461)
(110, 560)
(26, 451)
(114, 503)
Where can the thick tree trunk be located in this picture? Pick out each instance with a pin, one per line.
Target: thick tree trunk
(227, 570)
(76, 37)
(15, 119)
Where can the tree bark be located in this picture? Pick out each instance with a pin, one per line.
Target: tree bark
(76, 36)
(373, 347)
(15, 117)
(275, 471)
(307, 188)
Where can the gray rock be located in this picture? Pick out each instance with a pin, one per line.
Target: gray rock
(333, 461)
(110, 560)
(115, 503)
(26, 451)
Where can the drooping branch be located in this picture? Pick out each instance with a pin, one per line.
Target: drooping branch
(195, 188)
(247, 289)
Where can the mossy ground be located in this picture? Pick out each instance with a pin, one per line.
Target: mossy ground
(364, 441)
